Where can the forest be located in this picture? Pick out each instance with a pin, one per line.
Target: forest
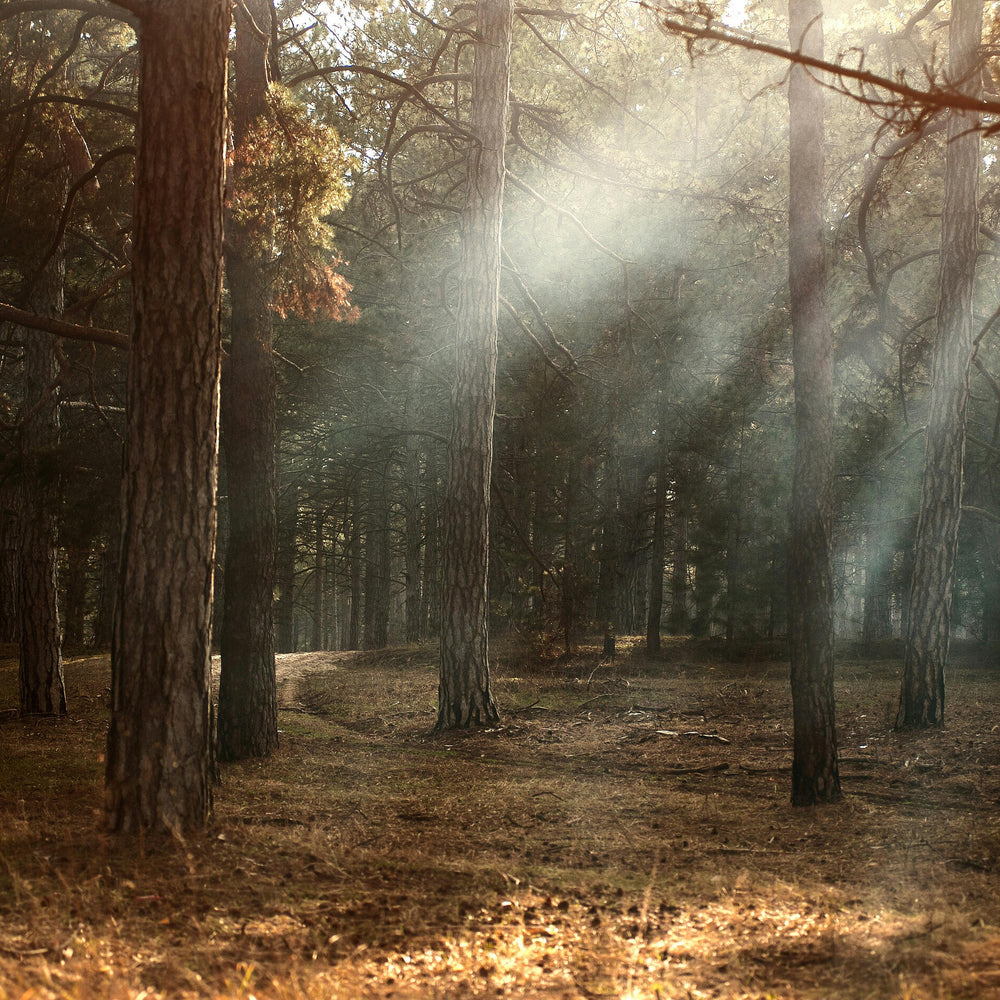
(497, 499)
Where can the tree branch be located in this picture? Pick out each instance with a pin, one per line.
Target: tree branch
(71, 331)
(935, 98)
(518, 183)
(134, 7)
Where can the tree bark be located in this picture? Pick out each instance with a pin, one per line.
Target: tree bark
(159, 760)
(40, 669)
(248, 700)
(928, 632)
(464, 695)
(815, 773)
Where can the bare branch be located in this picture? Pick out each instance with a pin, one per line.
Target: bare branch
(112, 9)
(77, 102)
(541, 199)
(698, 27)
(78, 184)
(513, 271)
(531, 336)
(71, 331)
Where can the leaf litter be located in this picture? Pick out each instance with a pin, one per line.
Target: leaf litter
(625, 832)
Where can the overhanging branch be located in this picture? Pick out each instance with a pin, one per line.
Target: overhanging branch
(71, 331)
(697, 27)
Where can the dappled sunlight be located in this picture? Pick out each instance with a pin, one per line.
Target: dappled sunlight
(623, 833)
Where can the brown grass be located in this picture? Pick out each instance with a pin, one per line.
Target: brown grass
(626, 833)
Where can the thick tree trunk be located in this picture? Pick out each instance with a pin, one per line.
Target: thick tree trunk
(815, 773)
(248, 702)
(464, 695)
(40, 668)
(159, 761)
(928, 631)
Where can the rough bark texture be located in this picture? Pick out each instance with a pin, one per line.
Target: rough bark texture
(928, 632)
(248, 700)
(464, 696)
(159, 759)
(815, 775)
(40, 669)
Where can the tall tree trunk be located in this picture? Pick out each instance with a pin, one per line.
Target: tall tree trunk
(414, 527)
(8, 562)
(609, 547)
(377, 559)
(40, 669)
(876, 623)
(679, 620)
(73, 601)
(464, 695)
(248, 700)
(107, 587)
(319, 582)
(287, 516)
(658, 550)
(430, 600)
(570, 577)
(815, 772)
(928, 633)
(353, 637)
(159, 760)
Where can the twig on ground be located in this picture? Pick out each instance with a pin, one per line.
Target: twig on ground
(707, 769)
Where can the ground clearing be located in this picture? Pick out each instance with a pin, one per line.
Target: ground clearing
(624, 834)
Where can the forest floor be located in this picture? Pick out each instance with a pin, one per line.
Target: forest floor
(625, 833)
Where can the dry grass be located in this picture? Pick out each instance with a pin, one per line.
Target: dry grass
(624, 834)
